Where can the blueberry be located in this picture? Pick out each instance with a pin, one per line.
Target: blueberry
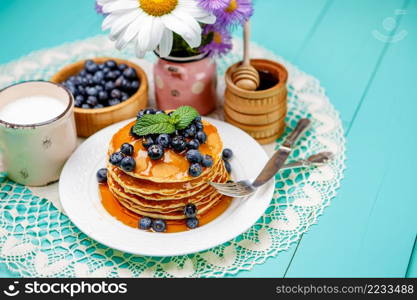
(77, 103)
(159, 225)
(227, 154)
(194, 156)
(106, 70)
(80, 99)
(125, 96)
(199, 125)
(197, 119)
(201, 137)
(155, 152)
(99, 105)
(228, 166)
(100, 66)
(92, 100)
(91, 91)
(85, 106)
(164, 140)
(190, 131)
(102, 175)
(149, 111)
(103, 96)
(159, 111)
(207, 161)
(110, 64)
(88, 62)
(98, 77)
(126, 149)
(133, 134)
(81, 89)
(110, 75)
(121, 82)
(116, 158)
(193, 144)
(145, 223)
(122, 67)
(128, 164)
(147, 142)
(192, 223)
(178, 143)
(190, 210)
(130, 73)
(82, 73)
(109, 86)
(116, 93)
(99, 88)
(114, 102)
(91, 68)
(134, 85)
(195, 170)
(140, 114)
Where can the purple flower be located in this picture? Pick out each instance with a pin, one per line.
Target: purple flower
(237, 12)
(99, 8)
(221, 43)
(212, 5)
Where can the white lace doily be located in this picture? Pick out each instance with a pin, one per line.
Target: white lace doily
(38, 239)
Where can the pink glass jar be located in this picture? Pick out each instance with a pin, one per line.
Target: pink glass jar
(186, 81)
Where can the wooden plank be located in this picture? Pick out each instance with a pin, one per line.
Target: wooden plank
(371, 228)
(31, 25)
(279, 17)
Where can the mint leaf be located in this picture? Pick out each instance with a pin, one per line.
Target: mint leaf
(162, 123)
(183, 116)
(153, 124)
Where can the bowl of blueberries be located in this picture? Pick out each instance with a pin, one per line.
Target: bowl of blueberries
(106, 90)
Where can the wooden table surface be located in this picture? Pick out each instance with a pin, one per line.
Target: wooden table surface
(364, 53)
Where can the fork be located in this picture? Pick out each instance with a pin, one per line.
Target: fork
(245, 187)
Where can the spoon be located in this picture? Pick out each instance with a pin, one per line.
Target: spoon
(246, 76)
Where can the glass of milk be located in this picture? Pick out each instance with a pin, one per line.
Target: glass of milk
(37, 131)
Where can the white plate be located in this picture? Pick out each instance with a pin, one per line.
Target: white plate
(80, 199)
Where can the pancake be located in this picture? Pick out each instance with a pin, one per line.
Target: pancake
(161, 189)
(173, 167)
(136, 185)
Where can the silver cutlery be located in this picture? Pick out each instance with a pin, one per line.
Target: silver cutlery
(315, 160)
(245, 187)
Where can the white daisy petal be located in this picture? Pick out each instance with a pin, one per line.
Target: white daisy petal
(165, 46)
(156, 35)
(119, 5)
(177, 26)
(209, 19)
(144, 35)
(138, 52)
(122, 22)
(128, 35)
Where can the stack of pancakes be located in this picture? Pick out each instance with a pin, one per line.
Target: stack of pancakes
(160, 189)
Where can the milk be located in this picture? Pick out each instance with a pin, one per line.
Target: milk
(32, 110)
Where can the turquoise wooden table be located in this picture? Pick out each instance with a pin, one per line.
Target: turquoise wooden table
(364, 53)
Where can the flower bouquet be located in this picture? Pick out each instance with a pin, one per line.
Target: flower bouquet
(185, 34)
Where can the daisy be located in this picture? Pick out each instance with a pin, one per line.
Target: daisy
(151, 23)
(221, 43)
(237, 12)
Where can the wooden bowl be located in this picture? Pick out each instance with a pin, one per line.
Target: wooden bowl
(260, 113)
(89, 121)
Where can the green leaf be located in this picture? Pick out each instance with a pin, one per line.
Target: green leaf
(153, 124)
(184, 115)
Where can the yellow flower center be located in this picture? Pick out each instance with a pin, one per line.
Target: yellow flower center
(158, 8)
(233, 5)
(217, 37)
